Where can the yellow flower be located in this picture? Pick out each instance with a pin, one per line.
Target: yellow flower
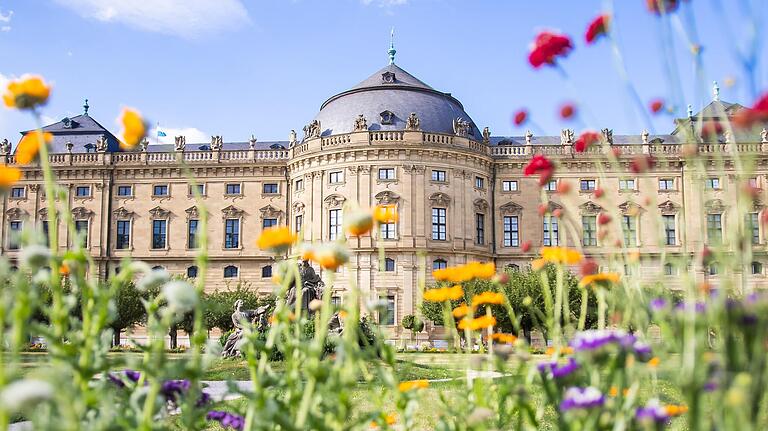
(343, 314)
(26, 92)
(504, 338)
(358, 223)
(602, 279)
(331, 256)
(565, 350)
(307, 252)
(561, 255)
(134, 128)
(488, 298)
(29, 146)
(654, 362)
(478, 323)
(9, 176)
(444, 294)
(412, 384)
(385, 214)
(615, 391)
(675, 410)
(277, 239)
(462, 310)
(391, 419)
(538, 264)
(462, 273)
(485, 271)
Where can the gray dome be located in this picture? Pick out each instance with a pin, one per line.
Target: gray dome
(393, 90)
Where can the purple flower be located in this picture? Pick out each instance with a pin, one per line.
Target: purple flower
(204, 399)
(132, 375)
(642, 350)
(227, 419)
(595, 339)
(116, 380)
(558, 370)
(710, 386)
(653, 411)
(699, 307)
(173, 388)
(658, 304)
(581, 398)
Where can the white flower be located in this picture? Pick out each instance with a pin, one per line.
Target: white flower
(181, 296)
(25, 393)
(34, 256)
(153, 279)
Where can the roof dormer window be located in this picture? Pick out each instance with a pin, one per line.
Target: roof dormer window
(66, 122)
(387, 117)
(388, 77)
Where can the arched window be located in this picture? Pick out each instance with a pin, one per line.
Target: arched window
(439, 264)
(157, 267)
(230, 271)
(266, 271)
(389, 264)
(757, 268)
(512, 267)
(192, 271)
(670, 269)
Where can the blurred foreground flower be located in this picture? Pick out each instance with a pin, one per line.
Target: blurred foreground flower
(26, 92)
(597, 28)
(585, 140)
(413, 384)
(29, 146)
(503, 338)
(542, 166)
(226, 419)
(277, 239)
(25, 394)
(582, 398)
(9, 176)
(750, 116)
(604, 279)
(567, 110)
(466, 272)
(487, 298)
(441, 294)
(655, 413)
(134, 128)
(462, 310)
(385, 214)
(181, 296)
(656, 105)
(331, 256)
(547, 47)
(520, 117)
(476, 324)
(558, 370)
(358, 222)
(662, 6)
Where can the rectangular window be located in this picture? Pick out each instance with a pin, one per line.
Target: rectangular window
(629, 227)
(270, 188)
(587, 185)
(589, 231)
(712, 183)
(387, 231)
(125, 190)
(14, 235)
(298, 185)
(479, 229)
(45, 233)
(511, 231)
(200, 189)
(17, 192)
(335, 301)
(479, 182)
(509, 186)
(387, 173)
(670, 269)
(123, 234)
(438, 176)
(268, 222)
(334, 224)
(627, 184)
(159, 234)
(666, 184)
(753, 227)
(299, 223)
(714, 229)
(438, 224)
(551, 233)
(232, 189)
(389, 319)
(753, 183)
(551, 186)
(336, 177)
(670, 235)
(192, 233)
(81, 228)
(232, 233)
(82, 191)
(160, 190)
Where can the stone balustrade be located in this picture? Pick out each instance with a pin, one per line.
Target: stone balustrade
(152, 158)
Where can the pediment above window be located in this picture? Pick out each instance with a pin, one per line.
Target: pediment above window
(122, 213)
(630, 208)
(232, 212)
(159, 213)
(669, 208)
(270, 212)
(334, 201)
(81, 213)
(298, 207)
(15, 214)
(714, 206)
(590, 208)
(511, 208)
(440, 199)
(481, 205)
(387, 197)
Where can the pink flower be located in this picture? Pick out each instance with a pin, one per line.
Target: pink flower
(599, 193)
(598, 27)
(567, 110)
(542, 166)
(547, 47)
(520, 117)
(656, 105)
(757, 114)
(526, 247)
(641, 163)
(603, 219)
(586, 139)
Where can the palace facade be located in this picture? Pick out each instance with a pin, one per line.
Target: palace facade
(459, 191)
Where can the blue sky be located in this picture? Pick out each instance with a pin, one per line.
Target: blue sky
(237, 67)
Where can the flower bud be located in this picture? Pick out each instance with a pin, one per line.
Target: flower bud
(181, 296)
(34, 256)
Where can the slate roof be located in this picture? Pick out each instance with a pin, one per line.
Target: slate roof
(82, 131)
(555, 140)
(205, 146)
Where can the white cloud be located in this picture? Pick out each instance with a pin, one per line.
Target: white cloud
(185, 18)
(5, 28)
(5, 18)
(385, 3)
(193, 135)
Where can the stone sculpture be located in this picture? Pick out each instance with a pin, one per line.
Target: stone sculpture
(256, 317)
(361, 124)
(412, 122)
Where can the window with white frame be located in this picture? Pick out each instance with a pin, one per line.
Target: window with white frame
(479, 228)
(123, 237)
(298, 185)
(159, 234)
(336, 177)
(18, 192)
(439, 264)
(389, 264)
(387, 173)
(233, 189)
(83, 191)
(587, 185)
(670, 229)
(626, 184)
(438, 175)
(160, 190)
(124, 191)
(479, 182)
(551, 186)
(629, 228)
(232, 233)
(712, 183)
(334, 224)
(511, 231)
(439, 224)
(387, 231)
(81, 230)
(14, 234)
(551, 232)
(270, 188)
(714, 229)
(199, 187)
(231, 271)
(589, 230)
(752, 226)
(666, 184)
(509, 186)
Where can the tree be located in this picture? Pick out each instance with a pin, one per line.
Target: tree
(218, 305)
(129, 309)
(525, 294)
(412, 323)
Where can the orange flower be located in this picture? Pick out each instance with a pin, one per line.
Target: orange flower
(64, 269)
(26, 92)
(504, 338)
(390, 419)
(358, 223)
(561, 255)
(462, 310)
(30, 145)
(307, 252)
(441, 294)
(478, 323)
(134, 128)
(277, 239)
(412, 384)
(466, 272)
(600, 279)
(565, 350)
(654, 362)
(675, 410)
(9, 176)
(488, 298)
(615, 391)
(331, 256)
(385, 214)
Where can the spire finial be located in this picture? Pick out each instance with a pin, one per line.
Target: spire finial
(392, 51)
(715, 91)
(85, 107)
(690, 110)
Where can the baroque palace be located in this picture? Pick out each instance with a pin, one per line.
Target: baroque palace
(391, 139)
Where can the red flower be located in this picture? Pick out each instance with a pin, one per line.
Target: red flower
(662, 6)
(598, 27)
(758, 113)
(557, 213)
(616, 151)
(641, 163)
(589, 266)
(520, 117)
(542, 209)
(542, 166)
(563, 187)
(586, 139)
(526, 246)
(603, 219)
(599, 193)
(567, 111)
(656, 105)
(711, 129)
(547, 46)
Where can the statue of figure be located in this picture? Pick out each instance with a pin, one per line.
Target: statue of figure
(361, 124)
(412, 122)
(644, 136)
(566, 137)
(216, 143)
(461, 127)
(143, 145)
(311, 288)
(486, 135)
(5, 147)
(101, 144)
(257, 317)
(528, 137)
(608, 135)
(292, 138)
(312, 130)
(252, 143)
(763, 136)
(179, 143)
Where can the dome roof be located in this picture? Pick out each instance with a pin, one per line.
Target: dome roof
(386, 99)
